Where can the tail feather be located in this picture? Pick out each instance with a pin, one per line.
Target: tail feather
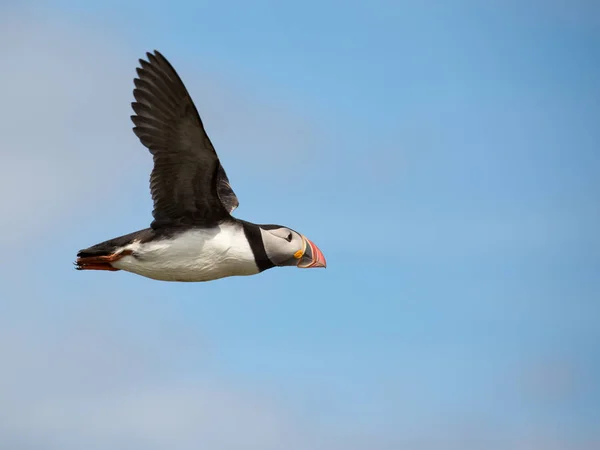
(83, 264)
(100, 256)
(100, 262)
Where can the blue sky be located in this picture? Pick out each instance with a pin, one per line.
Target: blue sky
(443, 155)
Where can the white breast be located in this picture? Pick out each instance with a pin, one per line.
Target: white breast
(195, 255)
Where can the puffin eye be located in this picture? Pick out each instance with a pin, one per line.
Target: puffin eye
(289, 237)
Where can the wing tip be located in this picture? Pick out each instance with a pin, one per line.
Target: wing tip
(149, 57)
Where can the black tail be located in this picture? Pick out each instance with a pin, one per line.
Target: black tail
(99, 256)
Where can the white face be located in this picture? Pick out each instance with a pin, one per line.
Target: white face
(283, 246)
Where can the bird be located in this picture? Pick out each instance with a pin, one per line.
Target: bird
(193, 237)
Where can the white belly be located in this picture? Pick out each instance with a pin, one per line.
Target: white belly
(196, 255)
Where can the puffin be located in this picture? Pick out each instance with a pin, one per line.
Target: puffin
(193, 236)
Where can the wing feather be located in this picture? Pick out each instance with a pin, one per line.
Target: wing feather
(188, 183)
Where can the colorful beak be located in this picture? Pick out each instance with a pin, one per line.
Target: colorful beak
(312, 257)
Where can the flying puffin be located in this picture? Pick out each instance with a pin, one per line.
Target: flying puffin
(193, 236)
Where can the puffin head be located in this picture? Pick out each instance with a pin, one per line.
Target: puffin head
(286, 247)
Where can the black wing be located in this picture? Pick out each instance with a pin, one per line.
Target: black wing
(188, 183)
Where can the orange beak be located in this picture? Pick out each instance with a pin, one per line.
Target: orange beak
(312, 257)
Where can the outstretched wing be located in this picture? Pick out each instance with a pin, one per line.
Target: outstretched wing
(188, 183)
